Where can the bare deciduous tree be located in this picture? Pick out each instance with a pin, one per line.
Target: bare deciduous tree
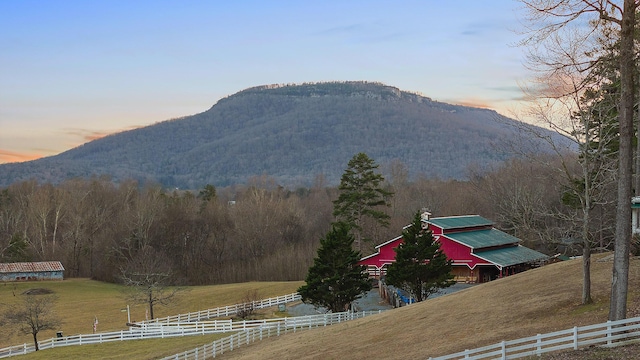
(554, 22)
(248, 305)
(149, 278)
(33, 315)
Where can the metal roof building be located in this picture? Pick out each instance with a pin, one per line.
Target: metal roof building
(479, 252)
(31, 271)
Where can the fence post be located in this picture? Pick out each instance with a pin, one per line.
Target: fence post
(575, 338)
(608, 332)
(504, 349)
(538, 344)
(466, 353)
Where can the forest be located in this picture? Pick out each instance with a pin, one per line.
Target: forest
(263, 231)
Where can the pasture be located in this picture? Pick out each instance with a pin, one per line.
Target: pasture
(82, 300)
(538, 301)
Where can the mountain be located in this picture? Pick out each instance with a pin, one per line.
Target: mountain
(292, 133)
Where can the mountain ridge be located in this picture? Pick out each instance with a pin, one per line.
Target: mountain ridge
(292, 133)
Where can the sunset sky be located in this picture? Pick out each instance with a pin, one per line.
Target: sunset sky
(73, 71)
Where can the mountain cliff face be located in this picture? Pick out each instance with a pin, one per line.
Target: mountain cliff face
(292, 133)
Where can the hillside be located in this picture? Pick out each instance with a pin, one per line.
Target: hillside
(538, 301)
(292, 133)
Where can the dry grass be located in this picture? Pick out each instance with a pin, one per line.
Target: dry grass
(80, 300)
(538, 301)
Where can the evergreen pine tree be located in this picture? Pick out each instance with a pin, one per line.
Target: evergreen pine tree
(335, 279)
(361, 196)
(421, 268)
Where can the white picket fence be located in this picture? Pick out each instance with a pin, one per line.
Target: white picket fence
(611, 333)
(283, 326)
(155, 331)
(225, 310)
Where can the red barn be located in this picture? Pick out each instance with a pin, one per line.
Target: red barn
(479, 252)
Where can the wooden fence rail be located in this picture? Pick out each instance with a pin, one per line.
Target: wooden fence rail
(248, 336)
(225, 310)
(611, 333)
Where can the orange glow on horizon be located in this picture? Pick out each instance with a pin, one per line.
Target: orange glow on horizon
(7, 156)
(76, 137)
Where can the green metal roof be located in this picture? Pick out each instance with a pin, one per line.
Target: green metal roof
(511, 255)
(479, 239)
(459, 222)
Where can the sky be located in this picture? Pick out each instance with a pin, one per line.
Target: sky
(72, 71)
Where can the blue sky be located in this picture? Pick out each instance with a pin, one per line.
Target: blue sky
(73, 71)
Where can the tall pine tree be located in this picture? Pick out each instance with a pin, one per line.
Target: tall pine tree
(421, 268)
(335, 279)
(361, 197)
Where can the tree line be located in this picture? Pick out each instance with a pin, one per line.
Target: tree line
(262, 231)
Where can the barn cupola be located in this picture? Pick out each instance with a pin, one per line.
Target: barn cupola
(424, 216)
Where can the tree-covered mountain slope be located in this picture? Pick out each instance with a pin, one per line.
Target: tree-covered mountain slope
(292, 133)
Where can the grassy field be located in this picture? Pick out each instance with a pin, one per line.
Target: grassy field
(132, 349)
(538, 301)
(80, 300)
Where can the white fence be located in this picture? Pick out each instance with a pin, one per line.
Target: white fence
(225, 310)
(155, 331)
(611, 333)
(283, 326)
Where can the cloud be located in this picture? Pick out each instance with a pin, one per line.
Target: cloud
(348, 29)
(470, 32)
(89, 135)
(477, 103)
(7, 156)
(508, 88)
(363, 33)
(480, 28)
(86, 135)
